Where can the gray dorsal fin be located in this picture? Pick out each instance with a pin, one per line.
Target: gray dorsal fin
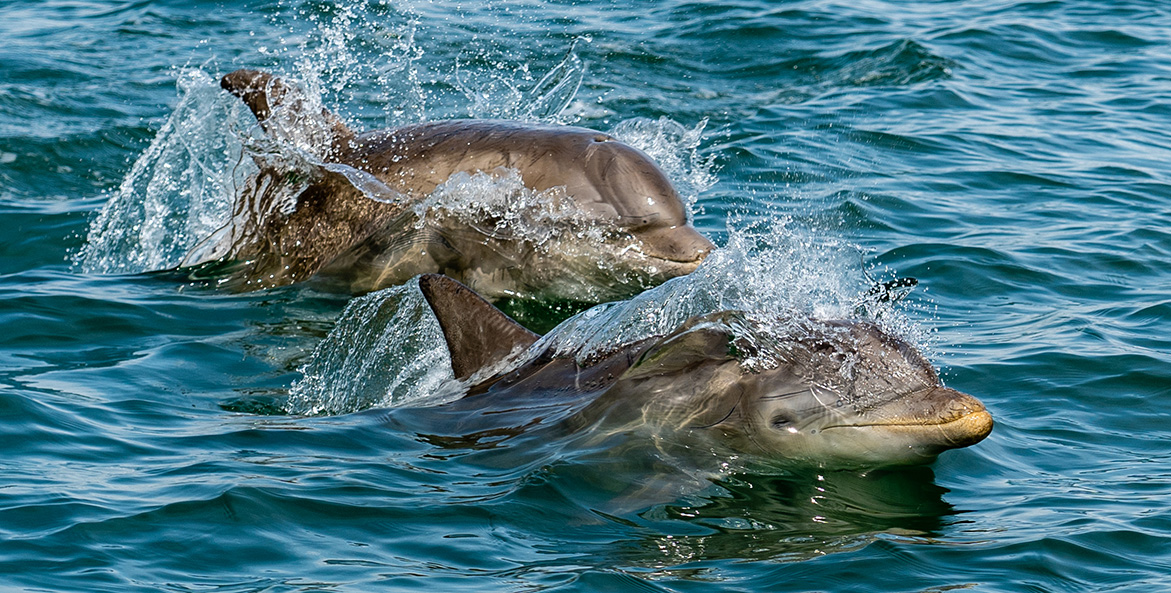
(288, 112)
(477, 334)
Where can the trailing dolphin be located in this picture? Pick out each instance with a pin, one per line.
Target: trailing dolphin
(829, 393)
(610, 223)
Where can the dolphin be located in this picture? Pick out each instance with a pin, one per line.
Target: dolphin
(835, 394)
(352, 212)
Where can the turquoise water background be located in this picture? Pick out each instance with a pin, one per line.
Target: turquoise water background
(1011, 156)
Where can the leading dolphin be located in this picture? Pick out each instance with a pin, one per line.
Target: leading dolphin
(617, 225)
(839, 394)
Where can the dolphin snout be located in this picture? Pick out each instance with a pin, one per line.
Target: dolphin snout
(968, 430)
(957, 419)
(935, 417)
(681, 244)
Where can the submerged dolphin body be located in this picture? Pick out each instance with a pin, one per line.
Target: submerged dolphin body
(839, 394)
(613, 223)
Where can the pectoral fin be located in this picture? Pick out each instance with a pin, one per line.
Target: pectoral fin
(288, 112)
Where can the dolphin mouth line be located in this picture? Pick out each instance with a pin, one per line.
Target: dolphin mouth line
(695, 261)
(981, 416)
(687, 262)
(966, 430)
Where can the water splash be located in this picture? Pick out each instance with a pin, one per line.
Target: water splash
(499, 205)
(180, 189)
(497, 88)
(675, 148)
(342, 44)
(386, 350)
(783, 278)
(556, 90)
(771, 270)
(365, 57)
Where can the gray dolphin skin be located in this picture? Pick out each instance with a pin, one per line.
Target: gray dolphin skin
(355, 217)
(838, 394)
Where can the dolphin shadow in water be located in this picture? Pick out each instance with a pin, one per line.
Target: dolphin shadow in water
(788, 517)
(350, 209)
(806, 393)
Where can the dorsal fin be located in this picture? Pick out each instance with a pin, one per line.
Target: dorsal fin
(477, 334)
(288, 112)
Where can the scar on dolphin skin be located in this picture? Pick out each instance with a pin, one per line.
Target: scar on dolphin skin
(353, 216)
(887, 408)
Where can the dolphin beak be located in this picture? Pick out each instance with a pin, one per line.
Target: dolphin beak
(681, 244)
(967, 430)
(910, 430)
(940, 416)
(962, 419)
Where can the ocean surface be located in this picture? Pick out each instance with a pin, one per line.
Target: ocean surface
(158, 434)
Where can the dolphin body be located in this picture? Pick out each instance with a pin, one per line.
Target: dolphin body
(353, 213)
(837, 394)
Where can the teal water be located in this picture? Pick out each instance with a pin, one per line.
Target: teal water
(1011, 156)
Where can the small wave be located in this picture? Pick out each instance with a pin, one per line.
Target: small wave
(901, 63)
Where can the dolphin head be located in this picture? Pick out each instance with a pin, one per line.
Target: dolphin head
(610, 225)
(851, 393)
(834, 394)
(623, 185)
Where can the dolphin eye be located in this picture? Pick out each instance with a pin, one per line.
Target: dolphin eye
(634, 223)
(781, 422)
